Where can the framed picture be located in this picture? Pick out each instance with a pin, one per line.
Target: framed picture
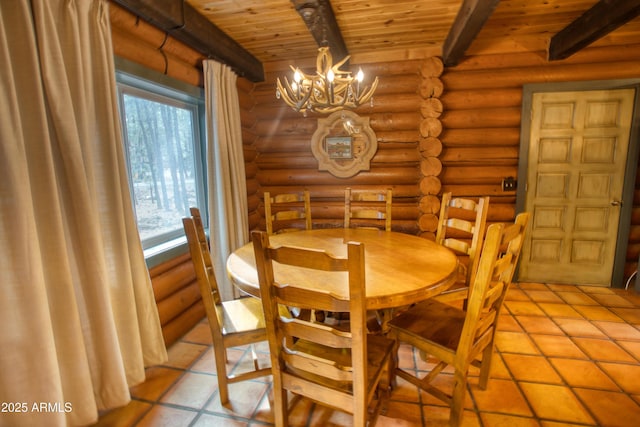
(339, 147)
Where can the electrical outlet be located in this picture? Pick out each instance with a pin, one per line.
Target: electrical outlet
(509, 184)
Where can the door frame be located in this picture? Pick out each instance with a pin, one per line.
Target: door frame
(622, 239)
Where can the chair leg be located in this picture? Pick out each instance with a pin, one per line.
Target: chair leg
(485, 367)
(221, 369)
(254, 356)
(280, 403)
(459, 394)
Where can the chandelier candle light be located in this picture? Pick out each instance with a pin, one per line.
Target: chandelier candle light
(329, 90)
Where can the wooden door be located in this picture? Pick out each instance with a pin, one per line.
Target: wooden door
(576, 165)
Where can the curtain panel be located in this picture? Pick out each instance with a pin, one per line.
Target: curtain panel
(78, 313)
(227, 185)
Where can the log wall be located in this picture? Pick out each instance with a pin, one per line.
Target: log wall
(284, 160)
(178, 297)
(482, 101)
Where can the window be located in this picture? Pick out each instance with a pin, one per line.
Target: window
(163, 137)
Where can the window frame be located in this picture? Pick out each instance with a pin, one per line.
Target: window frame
(135, 78)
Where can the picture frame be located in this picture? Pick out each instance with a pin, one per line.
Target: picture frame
(339, 147)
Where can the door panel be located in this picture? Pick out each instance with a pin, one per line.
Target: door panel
(575, 176)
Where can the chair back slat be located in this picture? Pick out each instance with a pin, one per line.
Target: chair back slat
(368, 205)
(461, 228)
(286, 211)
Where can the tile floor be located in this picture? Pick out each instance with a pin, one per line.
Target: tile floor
(566, 356)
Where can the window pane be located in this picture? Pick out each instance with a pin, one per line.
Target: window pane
(160, 137)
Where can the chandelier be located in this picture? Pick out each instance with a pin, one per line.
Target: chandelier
(329, 90)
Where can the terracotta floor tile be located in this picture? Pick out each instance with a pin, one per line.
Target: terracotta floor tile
(555, 403)
(629, 315)
(438, 416)
(545, 423)
(597, 313)
(560, 310)
(625, 375)
(531, 368)
(507, 322)
(577, 298)
(544, 296)
(323, 416)
(533, 286)
(212, 420)
(406, 357)
(563, 288)
(523, 308)
(612, 300)
(498, 368)
(583, 373)
(595, 289)
(513, 342)
(193, 390)
(633, 347)
(183, 354)
(619, 331)
(501, 396)
(125, 416)
(490, 419)
(401, 414)
(205, 363)
(404, 392)
(244, 399)
(539, 325)
(515, 294)
(159, 380)
(200, 334)
(558, 346)
(610, 408)
(603, 350)
(579, 328)
(166, 416)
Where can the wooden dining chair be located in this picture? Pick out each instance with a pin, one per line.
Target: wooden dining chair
(370, 209)
(458, 338)
(232, 323)
(284, 212)
(341, 367)
(461, 228)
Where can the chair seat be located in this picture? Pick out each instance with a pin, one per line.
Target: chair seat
(241, 315)
(436, 321)
(244, 315)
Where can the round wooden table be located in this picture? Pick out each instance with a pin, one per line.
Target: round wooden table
(400, 269)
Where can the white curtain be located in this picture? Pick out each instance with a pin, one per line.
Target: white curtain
(229, 223)
(79, 321)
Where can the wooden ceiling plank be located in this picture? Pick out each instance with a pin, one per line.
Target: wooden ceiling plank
(600, 20)
(187, 25)
(321, 21)
(470, 19)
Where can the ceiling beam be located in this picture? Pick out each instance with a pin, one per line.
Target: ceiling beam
(470, 19)
(600, 20)
(321, 21)
(182, 21)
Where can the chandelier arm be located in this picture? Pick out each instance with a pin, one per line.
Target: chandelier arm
(288, 94)
(328, 90)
